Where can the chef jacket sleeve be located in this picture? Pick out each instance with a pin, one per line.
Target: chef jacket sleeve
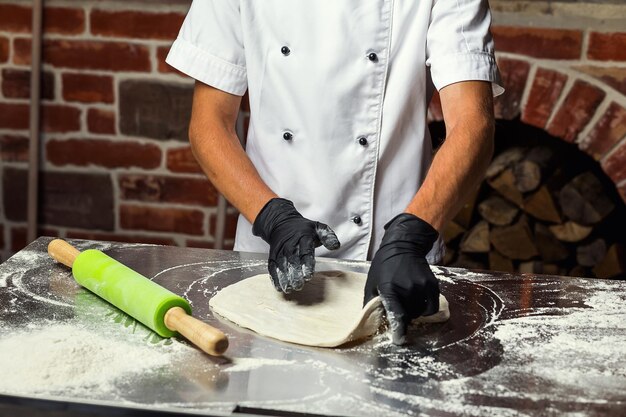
(209, 46)
(459, 45)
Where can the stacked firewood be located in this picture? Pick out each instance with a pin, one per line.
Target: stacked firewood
(533, 216)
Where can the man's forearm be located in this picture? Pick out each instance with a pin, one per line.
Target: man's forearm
(216, 146)
(459, 165)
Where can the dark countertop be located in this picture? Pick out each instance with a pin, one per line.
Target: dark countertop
(515, 345)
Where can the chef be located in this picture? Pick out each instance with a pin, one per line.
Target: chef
(338, 154)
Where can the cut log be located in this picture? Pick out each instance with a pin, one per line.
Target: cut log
(505, 185)
(614, 263)
(527, 176)
(551, 269)
(549, 247)
(477, 239)
(591, 254)
(579, 271)
(504, 160)
(541, 206)
(530, 267)
(498, 211)
(497, 262)
(570, 231)
(452, 231)
(464, 217)
(514, 242)
(538, 267)
(540, 155)
(467, 262)
(584, 200)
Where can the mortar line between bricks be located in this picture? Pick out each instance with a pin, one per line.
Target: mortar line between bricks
(599, 113)
(165, 205)
(609, 154)
(528, 86)
(559, 102)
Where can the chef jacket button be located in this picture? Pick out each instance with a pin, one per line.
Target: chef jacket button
(287, 136)
(285, 50)
(372, 57)
(357, 220)
(363, 141)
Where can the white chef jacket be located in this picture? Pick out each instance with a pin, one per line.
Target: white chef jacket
(339, 92)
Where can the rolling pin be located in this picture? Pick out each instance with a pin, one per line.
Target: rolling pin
(146, 301)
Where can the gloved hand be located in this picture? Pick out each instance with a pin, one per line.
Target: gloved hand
(400, 274)
(292, 240)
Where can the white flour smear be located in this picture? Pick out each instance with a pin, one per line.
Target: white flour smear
(574, 359)
(66, 359)
(247, 364)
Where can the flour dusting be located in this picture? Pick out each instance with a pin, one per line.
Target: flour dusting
(247, 364)
(64, 358)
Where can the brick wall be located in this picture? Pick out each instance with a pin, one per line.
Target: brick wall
(569, 79)
(116, 162)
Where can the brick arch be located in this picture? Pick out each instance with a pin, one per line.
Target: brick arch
(569, 99)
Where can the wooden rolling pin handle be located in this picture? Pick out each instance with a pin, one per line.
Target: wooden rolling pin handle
(63, 252)
(207, 338)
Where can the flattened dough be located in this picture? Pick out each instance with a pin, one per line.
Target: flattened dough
(326, 313)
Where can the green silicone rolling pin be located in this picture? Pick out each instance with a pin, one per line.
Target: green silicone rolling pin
(146, 301)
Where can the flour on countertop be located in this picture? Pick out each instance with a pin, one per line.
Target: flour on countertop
(247, 364)
(68, 359)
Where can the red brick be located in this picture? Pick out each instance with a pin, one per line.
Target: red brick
(116, 237)
(16, 84)
(87, 88)
(609, 130)
(57, 118)
(576, 110)
(231, 225)
(203, 244)
(163, 66)
(13, 148)
(134, 24)
(539, 42)
(14, 194)
(101, 121)
(165, 189)
(14, 18)
(514, 75)
(162, 219)
(104, 153)
(612, 76)
(18, 238)
(607, 46)
(68, 199)
(544, 93)
(4, 49)
(435, 113)
(61, 20)
(14, 116)
(21, 51)
(109, 56)
(615, 164)
(64, 20)
(182, 160)
(139, 116)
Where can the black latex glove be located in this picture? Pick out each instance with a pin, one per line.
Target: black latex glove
(292, 240)
(400, 274)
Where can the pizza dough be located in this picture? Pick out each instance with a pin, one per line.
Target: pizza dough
(326, 312)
